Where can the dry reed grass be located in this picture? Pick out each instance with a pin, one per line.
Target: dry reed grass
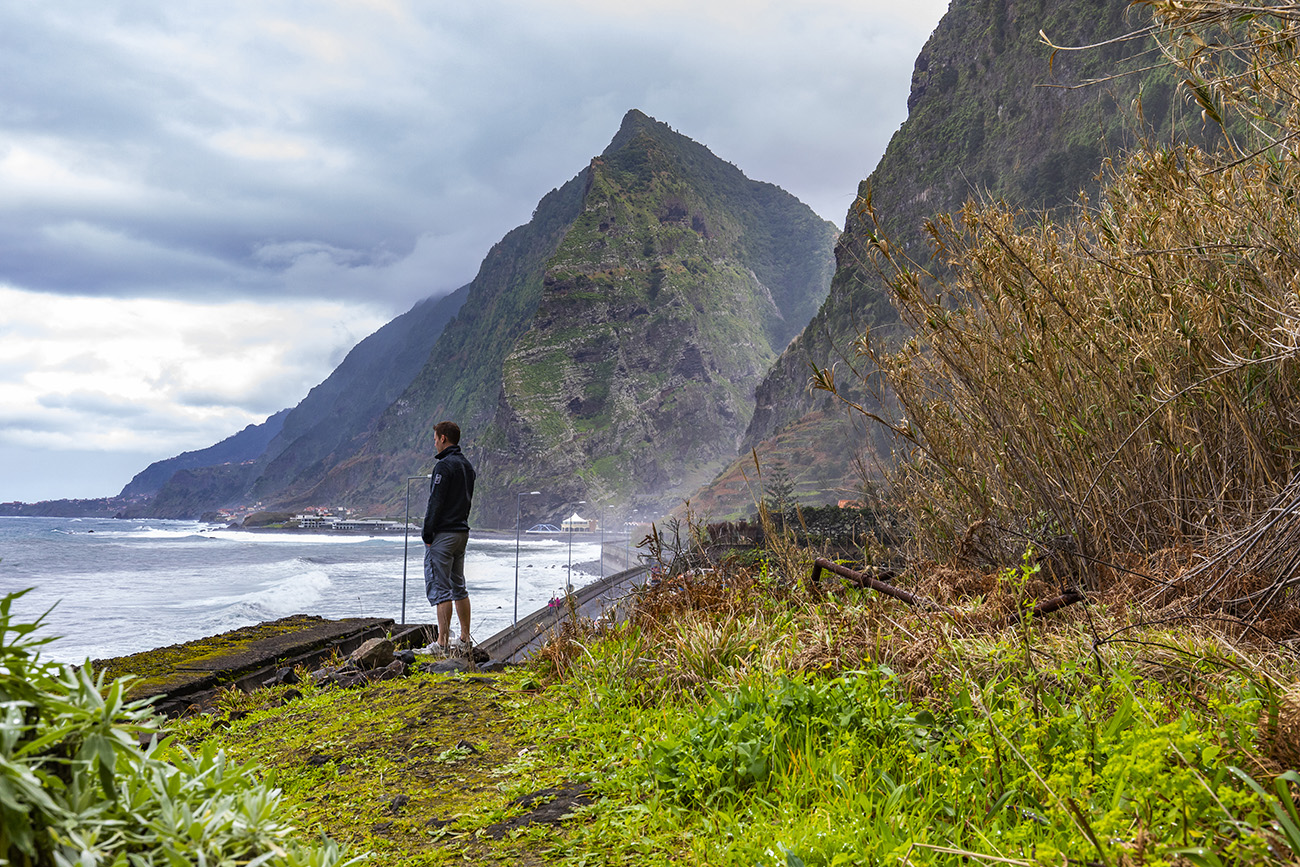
(1280, 736)
(1126, 379)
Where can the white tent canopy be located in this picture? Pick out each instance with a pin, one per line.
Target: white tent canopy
(575, 523)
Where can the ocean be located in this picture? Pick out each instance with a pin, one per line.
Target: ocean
(111, 587)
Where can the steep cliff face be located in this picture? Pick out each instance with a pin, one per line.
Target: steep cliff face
(611, 346)
(461, 376)
(288, 453)
(991, 114)
(660, 311)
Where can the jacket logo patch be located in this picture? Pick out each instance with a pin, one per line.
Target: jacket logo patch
(437, 477)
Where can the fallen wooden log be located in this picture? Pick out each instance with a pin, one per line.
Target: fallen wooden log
(862, 579)
(1056, 603)
(866, 580)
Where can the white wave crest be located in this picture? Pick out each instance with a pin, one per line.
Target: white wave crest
(293, 594)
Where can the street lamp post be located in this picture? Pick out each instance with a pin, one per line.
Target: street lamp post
(568, 579)
(627, 543)
(519, 499)
(406, 541)
(602, 540)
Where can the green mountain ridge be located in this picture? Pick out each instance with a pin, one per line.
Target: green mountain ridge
(664, 305)
(294, 444)
(247, 445)
(322, 428)
(657, 320)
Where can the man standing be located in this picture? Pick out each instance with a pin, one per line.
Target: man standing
(446, 532)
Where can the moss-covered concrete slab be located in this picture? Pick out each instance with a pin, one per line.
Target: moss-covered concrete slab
(184, 673)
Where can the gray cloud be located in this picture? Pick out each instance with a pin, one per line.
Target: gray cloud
(379, 149)
(92, 403)
(204, 206)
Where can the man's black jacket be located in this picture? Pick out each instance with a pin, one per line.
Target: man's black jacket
(450, 493)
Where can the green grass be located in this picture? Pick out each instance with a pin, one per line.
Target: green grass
(734, 720)
(768, 759)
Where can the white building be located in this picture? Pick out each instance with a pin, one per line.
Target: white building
(575, 523)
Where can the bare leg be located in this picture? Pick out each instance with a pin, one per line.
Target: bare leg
(462, 614)
(444, 622)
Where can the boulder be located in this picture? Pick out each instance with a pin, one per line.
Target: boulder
(447, 666)
(394, 669)
(375, 653)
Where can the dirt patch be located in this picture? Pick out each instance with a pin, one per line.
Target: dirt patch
(549, 806)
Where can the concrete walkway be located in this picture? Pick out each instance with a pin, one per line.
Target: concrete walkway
(607, 597)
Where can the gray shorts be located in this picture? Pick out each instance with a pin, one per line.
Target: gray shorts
(444, 568)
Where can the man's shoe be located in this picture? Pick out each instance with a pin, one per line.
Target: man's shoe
(461, 647)
(434, 649)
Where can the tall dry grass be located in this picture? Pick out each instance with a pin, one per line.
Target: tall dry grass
(1126, 378)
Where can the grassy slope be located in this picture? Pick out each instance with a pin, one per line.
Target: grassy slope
(740, 722)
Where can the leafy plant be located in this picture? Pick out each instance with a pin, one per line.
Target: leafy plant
(749, 734)
(77, 788)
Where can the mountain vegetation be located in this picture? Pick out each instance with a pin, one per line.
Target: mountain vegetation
(665, 303)
(1126, 377)
(268, 459)
(632, 342)
(1101, 403)
(607, 348)
(324, 427)
(1080, 650)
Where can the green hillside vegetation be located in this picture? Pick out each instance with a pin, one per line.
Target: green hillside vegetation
(1103, 405)
(460, 378)
(737, 720)
(1126, 378)
(329, 423)
(656, 320)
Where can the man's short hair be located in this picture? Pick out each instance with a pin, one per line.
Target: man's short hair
(448, 430)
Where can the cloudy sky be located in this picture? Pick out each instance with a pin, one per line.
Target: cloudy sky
(204, 205)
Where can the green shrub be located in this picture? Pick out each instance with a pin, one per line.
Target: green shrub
(747, 735)
(77, 789)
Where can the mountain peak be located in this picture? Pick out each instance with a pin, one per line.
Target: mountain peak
(635, 123)
(636, 120)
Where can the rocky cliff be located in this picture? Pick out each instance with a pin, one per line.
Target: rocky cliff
(247, 445)
(627, 342)
(992, 114)
(329, 424)
(662, 308)
(284, 453)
